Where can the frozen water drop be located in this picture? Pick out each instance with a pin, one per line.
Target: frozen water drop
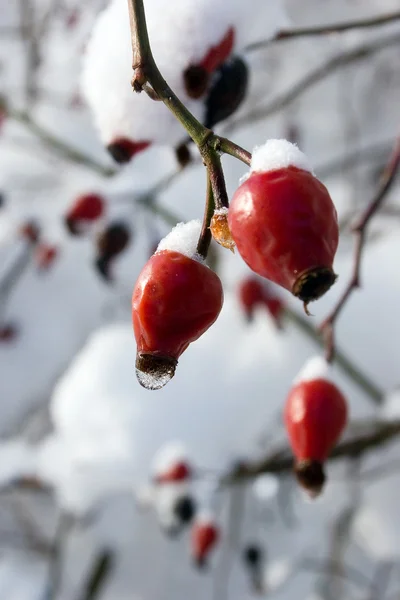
(154, 371)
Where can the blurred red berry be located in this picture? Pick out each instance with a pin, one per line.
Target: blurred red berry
(85, 209)
(204, 536)
(285, 227)
(253, 293)
(197, 77)
(45, 256)
(72, 19)
(178, 472)
(315, 415)
(30, 231)
(8, 332)
(123, 149)
(217, 55)
(175, 300)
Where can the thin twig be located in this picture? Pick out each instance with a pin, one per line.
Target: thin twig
(60, 146)
(286, 34)
(370, 435)
(205, 234)
(287, 97)
(232, 542)
(98, 575)
(353, 371)
(147, 72)
(360, 230)
(53, 585)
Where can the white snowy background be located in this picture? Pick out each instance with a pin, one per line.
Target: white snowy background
(72, 413)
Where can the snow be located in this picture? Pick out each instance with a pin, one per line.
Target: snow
(391, 407)
(183, 238)
(278, 154)
(265, 487)
(316, 367)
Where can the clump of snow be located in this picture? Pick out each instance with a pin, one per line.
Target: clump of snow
(265, 487)
(391, 406)
(315, 368)
(278, 572)
(16, 459)
(181, 33)
(206, 517)
(183, 238)
(278, 154)
(168, 455)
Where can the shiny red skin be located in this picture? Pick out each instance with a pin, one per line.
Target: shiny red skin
(315, 415)
(180, 471)
(283, 223)
(86, 208)
(204, 536)
(217, 55)
(175, 300)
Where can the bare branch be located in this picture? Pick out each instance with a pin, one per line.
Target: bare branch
(360, 229)
(313, 77)
(60, 146)
(286, 34)
(369, 436)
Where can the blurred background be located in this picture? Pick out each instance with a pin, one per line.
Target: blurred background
(80, 515)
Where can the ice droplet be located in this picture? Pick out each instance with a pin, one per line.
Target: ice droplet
(154, 371)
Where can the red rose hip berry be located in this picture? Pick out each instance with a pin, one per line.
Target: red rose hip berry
(85, 209)
(315, 415)
(284, 222)
(175, 300)
(204, 536)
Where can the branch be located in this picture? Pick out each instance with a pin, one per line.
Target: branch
(62, 148)
(313, 77)
(98, 575)
(286, 34)
(63, 528)
(12, 276)
(360, 230)
(369, 436)
(352, 158)
(355, 374)
(147, 77)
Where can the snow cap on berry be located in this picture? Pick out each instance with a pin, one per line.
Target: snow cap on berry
(315, 368)
(183, 238)
(206, 517)
(168, 455)
(278, 154)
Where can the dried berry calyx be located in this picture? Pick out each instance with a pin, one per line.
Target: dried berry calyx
(313, 283)
(310, 475)
(220, 229)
